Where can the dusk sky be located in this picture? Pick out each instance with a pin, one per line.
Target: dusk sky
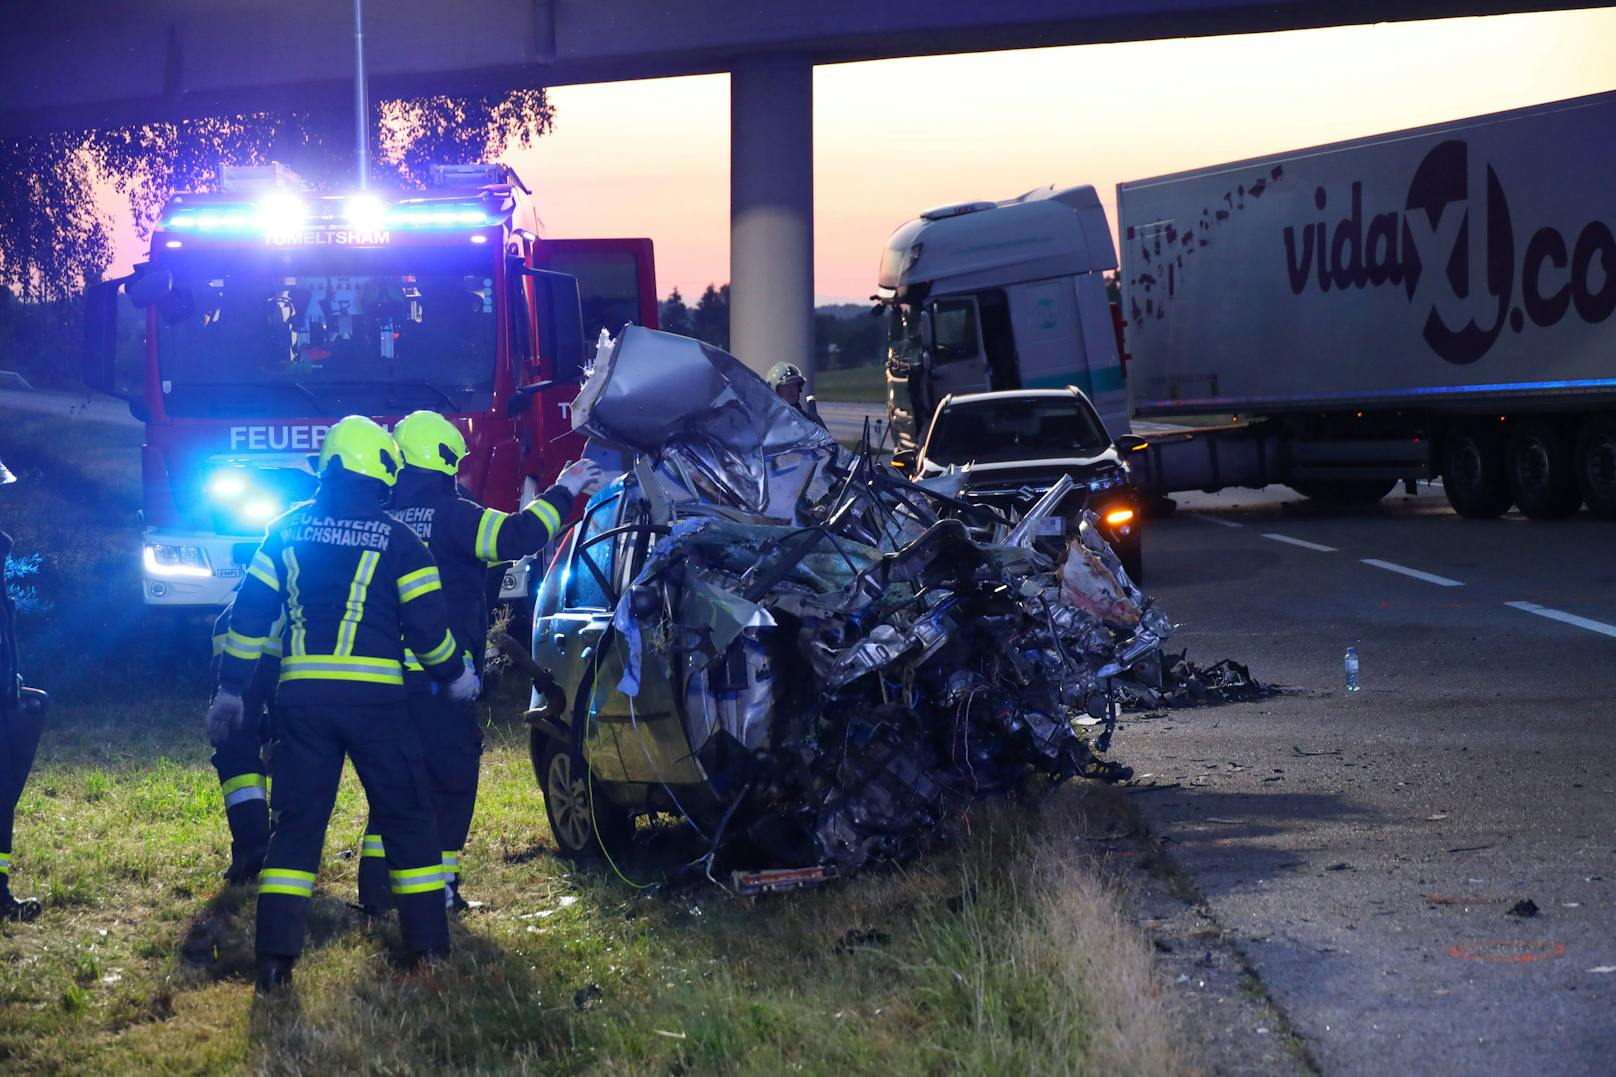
(896, 137)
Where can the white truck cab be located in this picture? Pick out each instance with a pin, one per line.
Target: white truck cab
(1001, 295)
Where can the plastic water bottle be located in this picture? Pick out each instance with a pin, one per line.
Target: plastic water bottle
(1350, 664)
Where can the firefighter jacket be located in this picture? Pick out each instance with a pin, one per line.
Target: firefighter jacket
(10, 664)
(357, 587)
(268, 672)
(466, 538)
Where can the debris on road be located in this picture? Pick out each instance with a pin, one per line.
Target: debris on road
(849, 665)
(1524, 908)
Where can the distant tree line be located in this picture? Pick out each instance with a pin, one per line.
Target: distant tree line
(845, 335)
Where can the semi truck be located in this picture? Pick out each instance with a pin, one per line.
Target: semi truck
(1434, 303)
(265, 312)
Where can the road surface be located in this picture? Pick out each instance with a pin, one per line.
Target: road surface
(1365, 850)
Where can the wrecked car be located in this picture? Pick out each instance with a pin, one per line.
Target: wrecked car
(1018, 442)
(815, 662)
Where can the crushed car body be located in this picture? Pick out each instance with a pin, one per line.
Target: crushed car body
(803, 653)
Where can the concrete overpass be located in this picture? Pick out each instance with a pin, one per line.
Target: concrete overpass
(108, 62)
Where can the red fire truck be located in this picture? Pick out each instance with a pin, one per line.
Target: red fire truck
(266, 312)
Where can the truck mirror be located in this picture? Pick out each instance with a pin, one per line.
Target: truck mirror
(113, 356)
(150, 288)
(928, 333)
(561, 323)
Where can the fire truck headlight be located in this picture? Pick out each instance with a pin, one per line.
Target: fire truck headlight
(162, 559)
(282, 212)
(365, 212)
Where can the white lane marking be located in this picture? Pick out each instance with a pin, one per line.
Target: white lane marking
(1404, 570)
(1216, 520)
(1567, 618)
(1303, 543)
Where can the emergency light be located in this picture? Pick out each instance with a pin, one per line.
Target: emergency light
(283, 212)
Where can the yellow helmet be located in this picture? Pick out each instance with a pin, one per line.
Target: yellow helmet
(361, 447)
(430, 441)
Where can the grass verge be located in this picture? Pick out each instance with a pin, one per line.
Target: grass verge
(854, 385)
(1002, 953)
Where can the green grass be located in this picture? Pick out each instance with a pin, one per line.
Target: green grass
(1000, 953)
(855, 385)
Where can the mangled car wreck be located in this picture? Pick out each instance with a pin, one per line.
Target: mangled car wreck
(804, 654)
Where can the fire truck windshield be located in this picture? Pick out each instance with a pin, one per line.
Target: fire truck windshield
(316, 333)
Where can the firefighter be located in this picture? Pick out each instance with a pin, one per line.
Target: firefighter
(788, 383)
(464, 538)
(239, 760)
(357, 587)
(22, 719)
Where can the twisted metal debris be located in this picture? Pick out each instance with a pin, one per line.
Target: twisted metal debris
(850, 666)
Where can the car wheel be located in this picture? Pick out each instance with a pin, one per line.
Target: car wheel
(585, 824)
(1543, 471)
(1596, 467)
(1473, 474)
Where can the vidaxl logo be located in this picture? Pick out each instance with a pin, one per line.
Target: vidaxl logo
(1474, 241)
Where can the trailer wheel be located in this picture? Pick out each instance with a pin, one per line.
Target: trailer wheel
(1345, 491)
(1543, 471)
(1596, 466)
(1473, 474)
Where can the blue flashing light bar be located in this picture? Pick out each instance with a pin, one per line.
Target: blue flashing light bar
(281, 214)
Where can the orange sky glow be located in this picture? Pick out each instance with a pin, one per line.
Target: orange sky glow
(895, 137)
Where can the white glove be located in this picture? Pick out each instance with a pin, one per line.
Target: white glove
(582, 477)
(224, 717)
(464, 688)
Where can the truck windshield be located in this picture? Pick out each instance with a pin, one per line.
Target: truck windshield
(1024, 428)
(311, 333)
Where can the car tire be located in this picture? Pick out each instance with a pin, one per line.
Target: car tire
(585, 824)
(1474, 477)
(1596, 466)
(1543, 471)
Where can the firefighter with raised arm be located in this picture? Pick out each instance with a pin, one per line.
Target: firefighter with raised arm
(464, 538)
(22, 719)
(239, 760)
(357, 587)
(788, 382)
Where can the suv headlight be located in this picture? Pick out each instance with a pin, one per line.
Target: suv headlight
(163, 559)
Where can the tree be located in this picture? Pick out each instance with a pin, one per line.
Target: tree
(710, 320)
(54, 234)
(674, 316)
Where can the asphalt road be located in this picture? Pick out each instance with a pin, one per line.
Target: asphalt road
(1365, 850)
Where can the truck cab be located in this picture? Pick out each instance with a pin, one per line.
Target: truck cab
(266, 312)
(994, 296)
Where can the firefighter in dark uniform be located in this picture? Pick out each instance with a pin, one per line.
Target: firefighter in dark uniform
(357, 587)
(465, 538)
(788, 382)
(22, 719)
(239, 761)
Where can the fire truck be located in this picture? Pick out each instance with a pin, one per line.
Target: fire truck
(266, 312)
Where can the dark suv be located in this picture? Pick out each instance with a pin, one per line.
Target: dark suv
(1019, 443)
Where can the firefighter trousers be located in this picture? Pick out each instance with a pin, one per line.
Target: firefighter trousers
(244, 779)
(310, 744)
(20, 729)
(453, 742)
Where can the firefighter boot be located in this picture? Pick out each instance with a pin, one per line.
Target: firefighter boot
(274, 974)
(19, 911)
(249, 840)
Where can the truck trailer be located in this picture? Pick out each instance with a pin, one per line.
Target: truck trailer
(1430, 303)
(1427, 304)
(266, 312)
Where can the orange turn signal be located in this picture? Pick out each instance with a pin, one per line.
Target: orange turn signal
(1118, 517)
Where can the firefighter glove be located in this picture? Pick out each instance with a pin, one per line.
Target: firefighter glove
(581, 477)
(224, 717)
(463, 689)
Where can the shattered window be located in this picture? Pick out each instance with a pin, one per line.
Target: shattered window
(583, 587)
(1016, 429)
